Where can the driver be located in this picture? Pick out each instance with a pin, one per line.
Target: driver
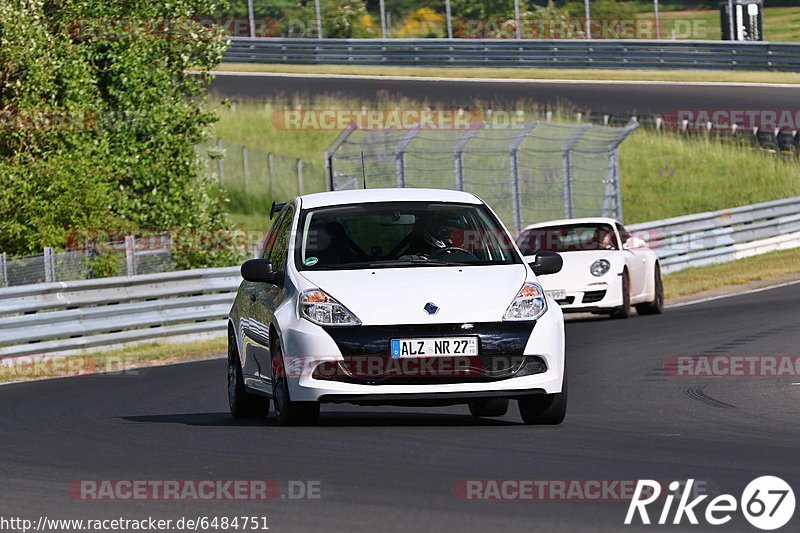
(433, 234)
(604, 238)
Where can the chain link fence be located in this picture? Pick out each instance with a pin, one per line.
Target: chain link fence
(538, 171)
(256, 174)
(129, 257)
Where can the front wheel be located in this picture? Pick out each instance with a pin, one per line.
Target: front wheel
(242, 404)
(655, 307)
(624, 311)
(545, 409)
(288, 412)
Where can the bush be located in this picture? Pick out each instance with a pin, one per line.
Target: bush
(424, 22)
(101, 118)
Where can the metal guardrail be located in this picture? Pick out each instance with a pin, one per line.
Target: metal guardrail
(577, 53)
(721, 236)
(71, 316)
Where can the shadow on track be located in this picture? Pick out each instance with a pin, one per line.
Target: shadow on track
(327, 419)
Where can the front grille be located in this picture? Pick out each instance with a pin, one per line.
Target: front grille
(590, 297)
(382, 370)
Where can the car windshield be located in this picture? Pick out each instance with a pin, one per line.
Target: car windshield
(568, 238)
(400, 235)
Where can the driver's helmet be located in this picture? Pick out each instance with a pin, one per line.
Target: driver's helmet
(446, 231)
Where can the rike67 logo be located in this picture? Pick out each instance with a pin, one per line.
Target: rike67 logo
(767, 503)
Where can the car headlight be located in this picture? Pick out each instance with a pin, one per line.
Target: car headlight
(529, 304)
(319, 307)
(600, 268)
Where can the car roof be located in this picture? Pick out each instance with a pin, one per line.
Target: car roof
(358, 196)
(572, 221)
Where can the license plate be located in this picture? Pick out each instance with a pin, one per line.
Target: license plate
(558, 294)
(447, 346)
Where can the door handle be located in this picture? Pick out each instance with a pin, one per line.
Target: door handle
(252, 297)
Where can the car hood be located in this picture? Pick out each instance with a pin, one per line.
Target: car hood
(398, 295)
(576, 268)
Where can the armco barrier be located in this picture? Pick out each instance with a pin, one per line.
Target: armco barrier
(573, 53)
(69, 316)
(720, 236)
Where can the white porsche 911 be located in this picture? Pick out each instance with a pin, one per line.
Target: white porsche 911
(606, 270)
(394, 296)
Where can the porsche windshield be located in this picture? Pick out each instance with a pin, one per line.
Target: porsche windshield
(568, 238)
(401, 234)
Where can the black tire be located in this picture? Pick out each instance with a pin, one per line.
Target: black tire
(656, 307)
(242, 404)
(287, 412)
(488, 407)
(544, 409)
(625, 310)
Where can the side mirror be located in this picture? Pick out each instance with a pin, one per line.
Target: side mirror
(633, 243)
(546, 263)
(259, 271)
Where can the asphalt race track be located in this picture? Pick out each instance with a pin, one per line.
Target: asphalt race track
(394, 469)
(624, 98)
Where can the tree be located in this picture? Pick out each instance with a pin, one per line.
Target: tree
(101, 117)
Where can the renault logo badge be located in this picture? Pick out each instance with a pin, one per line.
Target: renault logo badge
(431, 308)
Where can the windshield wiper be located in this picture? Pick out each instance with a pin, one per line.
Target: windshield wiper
(417, 262)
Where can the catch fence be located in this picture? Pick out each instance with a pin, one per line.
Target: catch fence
(536, 171)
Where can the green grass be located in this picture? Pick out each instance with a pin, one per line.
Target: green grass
(757, 268)
(113, 360)
(529, 73)
(663, 174)
(666, 175)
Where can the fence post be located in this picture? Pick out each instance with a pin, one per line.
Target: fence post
(49, 265)
(515, 192)
(4, 269)
(271, 168)
(613, 185)
(246, 167)
(300, 177)
(399, 163)
(567, 169)
(219, 163)
(458, 156)
(130, 254)
(330, 152)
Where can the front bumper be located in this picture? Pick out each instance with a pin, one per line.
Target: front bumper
(591, 296)
(308, 347)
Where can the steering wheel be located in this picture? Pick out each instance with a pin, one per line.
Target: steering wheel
(449, 250)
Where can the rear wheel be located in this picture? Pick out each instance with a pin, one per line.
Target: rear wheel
(544, 409)
(242, 404)
(657, 305)
(488, 407)
(624, 311)
(288, 412)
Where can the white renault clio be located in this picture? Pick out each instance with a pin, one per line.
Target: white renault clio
(394, 297)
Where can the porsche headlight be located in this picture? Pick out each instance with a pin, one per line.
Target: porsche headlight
(600, 267)
(319, 307)
(529, 304)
